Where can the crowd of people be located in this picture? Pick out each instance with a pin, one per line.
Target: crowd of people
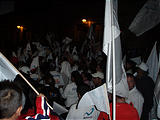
(63, 73)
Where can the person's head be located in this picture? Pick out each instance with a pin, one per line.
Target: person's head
(10, 100)
(119, 99)
(142, 69)
(76, 77)
(130, 81)
(130, 64)
(82, 89)
(97, 78)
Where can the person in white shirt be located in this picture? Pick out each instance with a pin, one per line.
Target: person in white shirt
(70, 92)
(135, 97)
(85, 113)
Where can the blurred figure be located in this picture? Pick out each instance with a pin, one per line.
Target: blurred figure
(135, 96)
(70, 92)
(98, 78)
(145, 85)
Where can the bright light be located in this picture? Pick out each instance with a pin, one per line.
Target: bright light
(21, 28)
(84, 20)
(18, 27)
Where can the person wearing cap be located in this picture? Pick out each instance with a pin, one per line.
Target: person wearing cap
(135, 96)
(145, 85)
(98, 78)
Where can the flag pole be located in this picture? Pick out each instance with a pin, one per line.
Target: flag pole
(22, 77)
(114, 71)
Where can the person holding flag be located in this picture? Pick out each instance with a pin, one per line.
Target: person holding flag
(11, 104)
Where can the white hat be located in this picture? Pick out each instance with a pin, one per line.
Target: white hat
(98, 74)
(143, 66)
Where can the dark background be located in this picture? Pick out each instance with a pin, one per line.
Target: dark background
(63, 16)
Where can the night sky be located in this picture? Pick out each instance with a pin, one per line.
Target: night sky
(60, 16)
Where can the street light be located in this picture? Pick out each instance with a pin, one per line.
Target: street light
(84, 21)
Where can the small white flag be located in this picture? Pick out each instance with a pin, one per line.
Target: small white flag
(7, 71)
(152, 63)
(97, 97)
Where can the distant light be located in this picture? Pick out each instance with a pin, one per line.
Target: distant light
(21, 28)
(84, 20)
(18, 27)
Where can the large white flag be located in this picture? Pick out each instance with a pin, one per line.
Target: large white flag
(147, 18)
(152, 63)
(115, 73)
(7, 71)
(97, 97)
(112, 32)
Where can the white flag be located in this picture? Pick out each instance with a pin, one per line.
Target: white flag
(7, 71)
(147, 18)
(91, 34)
(34, 63)
(112, 32)
(28, 47)
(97, 97)
(152, 63)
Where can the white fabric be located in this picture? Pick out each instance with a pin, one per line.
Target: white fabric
(97, 97)
(86, 113)
(67, 40)
(14, 54)
(137, 60)
(7, 71)
(143, 66)
(137, 99)
(34, 63)
(111, 33)
(66, 69)
(57, 75)
(91, 34)
(111, 28)
(34, 76)
(74, 51)
(158, 110)
(25, 69)
(70, 93)
(75, 68)
(98, 75)
(157, 89)
(28, 47)
(152, 63)
(50, 57)
(147, 18)
(121, 87)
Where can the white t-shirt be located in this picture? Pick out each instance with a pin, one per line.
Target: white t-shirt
(137, 99)
(87, 113)
(70, 93)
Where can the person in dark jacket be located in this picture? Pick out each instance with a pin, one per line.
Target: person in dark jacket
(145, 85)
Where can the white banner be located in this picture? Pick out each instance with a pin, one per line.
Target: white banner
(147, 18)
